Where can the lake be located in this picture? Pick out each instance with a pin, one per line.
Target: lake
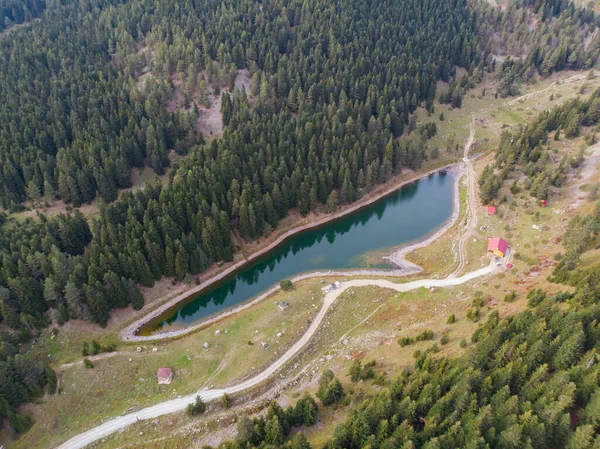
(408, 214)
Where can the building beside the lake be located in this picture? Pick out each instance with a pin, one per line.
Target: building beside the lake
(497, 247)
(491, 210)
(283, 305)
(164, 376)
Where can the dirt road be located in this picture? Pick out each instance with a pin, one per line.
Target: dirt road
(559, 82)
(471, 213)
(179, 404)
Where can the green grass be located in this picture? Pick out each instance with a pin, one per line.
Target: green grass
(127, 381)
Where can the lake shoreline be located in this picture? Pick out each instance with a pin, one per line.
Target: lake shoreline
(398, 257)
(404, 267)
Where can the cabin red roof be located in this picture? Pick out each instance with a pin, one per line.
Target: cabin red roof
(164, 373)
(491, 210)
(497, 244)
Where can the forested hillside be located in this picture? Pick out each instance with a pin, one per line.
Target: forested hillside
(529, 151)
(74, 124)
(335, 84)
(15, 12)
(90, 92)
(333, 89)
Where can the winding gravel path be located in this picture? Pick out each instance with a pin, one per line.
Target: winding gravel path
(179, 404)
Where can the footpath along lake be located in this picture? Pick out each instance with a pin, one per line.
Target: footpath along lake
(411, 213)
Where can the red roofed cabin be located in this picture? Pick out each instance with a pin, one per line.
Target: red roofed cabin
(491, 210)
(497, 246)
(164, 376)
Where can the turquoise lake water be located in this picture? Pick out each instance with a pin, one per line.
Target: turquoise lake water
(408, 214)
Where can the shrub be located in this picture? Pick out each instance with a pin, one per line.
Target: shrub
(425, 335)
(197, 408)
(535, 296)
(405, 341)
(463, 343)
(473, 315)
(452, 319)
(330, 388)
(379, 379)
(477, 302)
(96, 348)
(444, 340)
(304, 413)
(511, 297)
(355, 371)
(226, 401)
(358, 372)
(52, 380)
(88, 363)
(562, 296)
(286, 285)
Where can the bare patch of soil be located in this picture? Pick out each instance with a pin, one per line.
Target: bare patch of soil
(210, 120)
(587, 174)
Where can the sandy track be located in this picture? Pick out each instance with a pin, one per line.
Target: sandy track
(471, 225)
(179, 404)
(559, 82)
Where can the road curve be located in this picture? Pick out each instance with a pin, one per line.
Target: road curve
(179, 404)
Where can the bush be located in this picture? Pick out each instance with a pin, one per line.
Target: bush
(405, 341)
(286, 285)
(330, 388)
(96, 348)
(535, 296)
(197, 408)
(478, 301)
(444, 340)
(562, 297)
(473, 315)
(463, 343)
(304, 413)
(452, 319)
(52, 380)
(358, 372)
(379, 379)
(511, 297)
(355, 371)
(425, 335)
(88, 363)
(226, 401)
